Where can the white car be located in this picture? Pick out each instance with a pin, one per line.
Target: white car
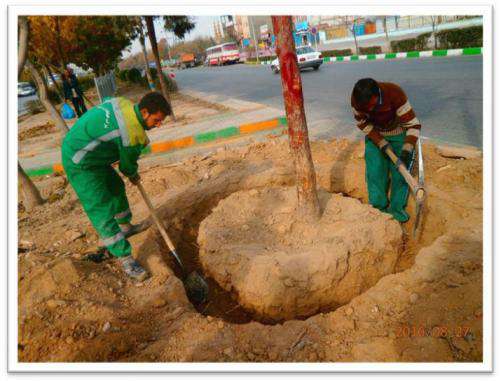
(24, 89)
(306, 57)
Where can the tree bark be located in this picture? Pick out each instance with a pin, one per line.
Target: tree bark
(146, 61)
(43, 95)
(31, 195)
(154, 48)
(51, 75)
(388, 42)
(307, 196)
(58, 44)
(23, 43)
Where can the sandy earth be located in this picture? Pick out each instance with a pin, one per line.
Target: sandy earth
(429, 308)
(281, 267)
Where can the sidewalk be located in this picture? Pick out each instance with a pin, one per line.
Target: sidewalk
(244, 119)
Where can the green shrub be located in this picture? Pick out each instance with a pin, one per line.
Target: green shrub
(371, 50)
(460, 38)
(122, 74)
(337, 53)
(86, 82)
(53, 95)
(134, 76)
(418, 43)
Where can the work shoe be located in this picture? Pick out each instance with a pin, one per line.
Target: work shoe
(129, 230)
(133, 269)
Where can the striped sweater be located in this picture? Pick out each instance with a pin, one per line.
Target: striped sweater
(393, 115)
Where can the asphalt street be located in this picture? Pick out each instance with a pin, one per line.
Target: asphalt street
(446, 92)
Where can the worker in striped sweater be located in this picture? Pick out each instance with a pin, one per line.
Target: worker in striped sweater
(383, 112)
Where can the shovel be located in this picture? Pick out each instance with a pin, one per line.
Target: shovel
(196, 287)
(417, 188)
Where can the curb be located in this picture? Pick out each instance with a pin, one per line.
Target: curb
(187, 141)
(390, 56)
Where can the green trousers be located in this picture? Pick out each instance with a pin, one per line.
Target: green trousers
(380, 171)
(102, 194)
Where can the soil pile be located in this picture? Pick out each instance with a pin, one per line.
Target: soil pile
(429, 309)
(283, 268)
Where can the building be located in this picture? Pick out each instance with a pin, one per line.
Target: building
(218, 31)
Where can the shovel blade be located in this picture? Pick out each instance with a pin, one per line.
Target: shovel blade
(196, 288)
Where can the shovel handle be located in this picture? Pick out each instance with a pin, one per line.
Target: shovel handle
(157, 221)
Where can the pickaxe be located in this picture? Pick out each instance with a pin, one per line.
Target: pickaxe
(417, 187)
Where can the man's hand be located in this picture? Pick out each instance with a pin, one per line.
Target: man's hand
(406, 157)
(135, 179)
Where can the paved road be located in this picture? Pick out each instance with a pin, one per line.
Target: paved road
(446, 92)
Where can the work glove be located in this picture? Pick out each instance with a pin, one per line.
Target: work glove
(135, 179)
(406, 157)
(385, 147)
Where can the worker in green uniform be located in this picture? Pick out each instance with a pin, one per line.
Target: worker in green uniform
(112, 132)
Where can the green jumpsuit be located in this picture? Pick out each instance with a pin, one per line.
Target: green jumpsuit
(111, 132)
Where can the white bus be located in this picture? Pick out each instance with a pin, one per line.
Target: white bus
(223, 54)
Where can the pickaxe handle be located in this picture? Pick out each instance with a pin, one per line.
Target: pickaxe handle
(416, 188)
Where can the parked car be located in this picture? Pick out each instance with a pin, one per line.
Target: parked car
(306, 57)
(24, 89)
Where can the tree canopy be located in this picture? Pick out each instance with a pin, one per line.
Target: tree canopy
(88, 41)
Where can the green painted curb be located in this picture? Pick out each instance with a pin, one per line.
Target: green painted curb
(471, 51)
(39, 171)
(390, 55)
(413, 54)
(214, 135)
(439, 53)
(371, 57)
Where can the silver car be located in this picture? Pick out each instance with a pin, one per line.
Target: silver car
(306, 57)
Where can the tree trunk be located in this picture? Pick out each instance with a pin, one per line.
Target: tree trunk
(308, 204)
(388, 42)
(58, 44)
(23, 43)
(154, 48)
(146, 61)
(31, 195)
(51, 75)
(43, 95)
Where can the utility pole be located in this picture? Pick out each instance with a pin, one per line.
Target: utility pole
(255, 42)
(307, 196)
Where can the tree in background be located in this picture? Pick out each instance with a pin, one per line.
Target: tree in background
(142, 41)
(101, 40)
(31, 195)
(88, 41)
(154, 47)
(179, 25)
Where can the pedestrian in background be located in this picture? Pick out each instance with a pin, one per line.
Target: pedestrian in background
(73, 92)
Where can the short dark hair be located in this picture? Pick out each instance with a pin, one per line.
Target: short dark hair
(154, 102)
(364, 89)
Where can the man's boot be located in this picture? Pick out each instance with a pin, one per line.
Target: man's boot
(132, 268)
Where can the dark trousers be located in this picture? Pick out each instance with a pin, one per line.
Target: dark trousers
(79, 105)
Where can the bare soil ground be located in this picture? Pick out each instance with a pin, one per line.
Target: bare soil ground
(429, 308)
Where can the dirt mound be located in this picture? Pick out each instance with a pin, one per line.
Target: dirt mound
(283, 268)
(430, 309)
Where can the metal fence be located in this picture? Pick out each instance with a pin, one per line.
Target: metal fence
(105, 85)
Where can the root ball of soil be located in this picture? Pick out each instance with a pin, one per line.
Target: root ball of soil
(281, 268)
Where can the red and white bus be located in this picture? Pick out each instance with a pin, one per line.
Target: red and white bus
(223, 54)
